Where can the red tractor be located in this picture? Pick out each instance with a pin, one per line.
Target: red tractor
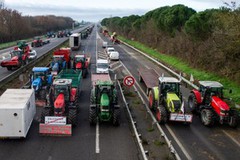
(37, 42)
(19, 56)
(81, 62)
(208, 101)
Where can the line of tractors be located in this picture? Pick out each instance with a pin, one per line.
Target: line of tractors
(166, 102)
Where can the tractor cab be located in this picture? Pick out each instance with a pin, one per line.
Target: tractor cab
(61, 95)
(170, 95)
(40, 75)
(209, 89)
(79, 61)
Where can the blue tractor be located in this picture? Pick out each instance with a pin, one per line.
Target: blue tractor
(58, 64)
(41, 80)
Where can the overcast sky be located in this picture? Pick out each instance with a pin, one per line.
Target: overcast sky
(95, 10)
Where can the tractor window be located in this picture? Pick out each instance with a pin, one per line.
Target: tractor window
(217, 92)
(171, 87)
(61, 89)
(79, 59)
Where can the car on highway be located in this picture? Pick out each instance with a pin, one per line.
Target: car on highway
(102, 66)
(32, 55)
(114, 55)
(109, 50)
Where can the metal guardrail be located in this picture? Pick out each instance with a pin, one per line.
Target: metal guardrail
(139, 141)
(19, 71)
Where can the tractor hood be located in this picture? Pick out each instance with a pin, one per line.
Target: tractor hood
(79, 65)
(60, 101)
(55, 67)
(219, 104)
(36, 84)
(172, 97)
(15, 58)
(104, 100)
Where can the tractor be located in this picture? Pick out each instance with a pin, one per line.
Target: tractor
(166, 101)
(104, 101)
(41, 80)
(62, 101)
(58, 64)
(208, 100)
(37, 42)
(80, 62)
(19, 56)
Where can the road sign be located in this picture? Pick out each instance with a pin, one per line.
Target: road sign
(129, 81)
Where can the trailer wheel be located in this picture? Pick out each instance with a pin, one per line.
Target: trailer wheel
(92, 116)
(161, 115)
(192, 102)
(207, 117)
(45, 112)
(72, 116)
(9, 68)
(116, 117)
(151, 99)
(233, 120)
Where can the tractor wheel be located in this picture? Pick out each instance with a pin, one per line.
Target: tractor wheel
(116, 117)
(9, 68)
(92, 116)
(45, 112)
(84, 73)
(72, 117)
(152, 101)
(207, 117)
(192, 102)
(140, 78)
(233, 120)
(161, 115)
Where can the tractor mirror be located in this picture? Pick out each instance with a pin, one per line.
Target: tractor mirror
(230, 91)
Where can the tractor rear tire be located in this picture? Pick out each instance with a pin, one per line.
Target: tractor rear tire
(46, 111)
(72, 116)
(151, 100)
(207, 117)
(233, 122)
(9, 68)
(192, 103)
(116, 117)
(161, 115)
(92, 116)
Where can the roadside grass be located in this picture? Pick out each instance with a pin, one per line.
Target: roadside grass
(183, 67)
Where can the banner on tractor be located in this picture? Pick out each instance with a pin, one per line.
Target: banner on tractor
(51, 120)
(181, 117)
(55, 129)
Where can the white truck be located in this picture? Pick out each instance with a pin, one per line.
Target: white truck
(17, 110)
(75, 41)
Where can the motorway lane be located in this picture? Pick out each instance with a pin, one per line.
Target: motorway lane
(199, 141)
(115, 142)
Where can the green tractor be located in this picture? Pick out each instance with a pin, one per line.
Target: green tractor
(166, 101)
(104, 101)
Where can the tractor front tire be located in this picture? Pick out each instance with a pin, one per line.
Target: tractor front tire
(92, 116)
(207, 117)
(72, 116)
(192, 103)
(45, 112)
(161, 115)
(116, 117)
(233, 121)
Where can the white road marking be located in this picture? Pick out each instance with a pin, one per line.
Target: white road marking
(97, 138)
(234, 140)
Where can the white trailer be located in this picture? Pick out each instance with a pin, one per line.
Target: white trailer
(75, 41)
(17, 110)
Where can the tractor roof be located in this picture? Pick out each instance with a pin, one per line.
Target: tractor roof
(62, 81)
(40, 69)
(82, 56)
(58, 55)
(210, 84)
(168, 79)
(104, 83)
